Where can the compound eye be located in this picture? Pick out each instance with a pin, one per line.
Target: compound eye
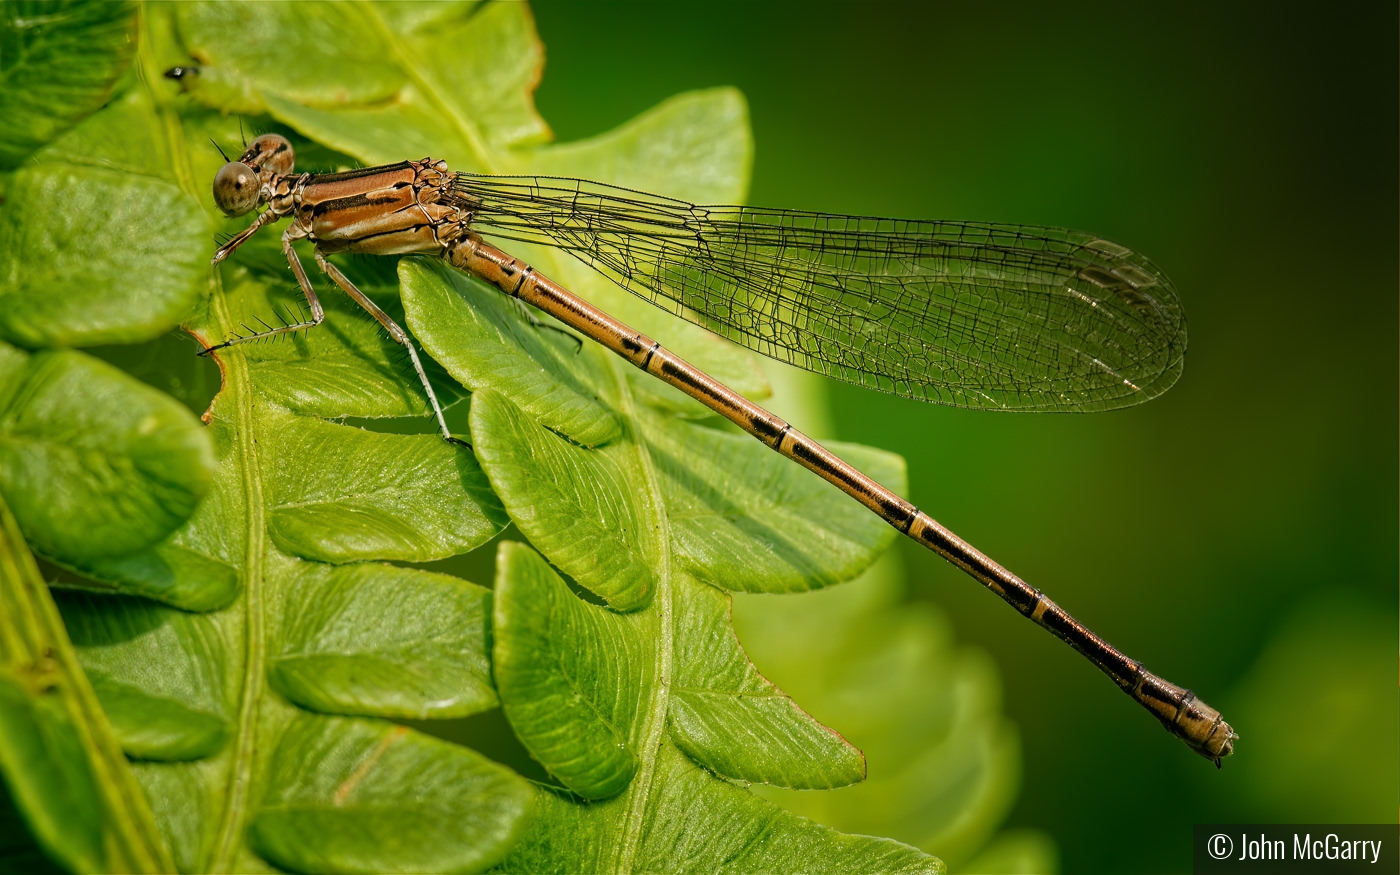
(236, 189)
(270, 153)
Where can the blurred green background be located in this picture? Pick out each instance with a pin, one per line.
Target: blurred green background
(1239, 535)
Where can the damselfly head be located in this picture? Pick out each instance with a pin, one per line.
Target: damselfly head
(237, 189)
(238, 186)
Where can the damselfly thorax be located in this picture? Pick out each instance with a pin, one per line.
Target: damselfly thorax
(1007, 317)
(392, 210)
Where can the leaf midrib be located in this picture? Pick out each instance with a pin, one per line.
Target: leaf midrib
(653, 731)
(431, 90)
(236, 394)
(238, 385)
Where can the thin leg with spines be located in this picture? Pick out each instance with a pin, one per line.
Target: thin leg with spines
(318, 314)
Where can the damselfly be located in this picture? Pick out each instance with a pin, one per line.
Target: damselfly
(1008, 317)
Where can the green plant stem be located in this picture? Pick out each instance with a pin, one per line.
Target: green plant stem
(36, 651)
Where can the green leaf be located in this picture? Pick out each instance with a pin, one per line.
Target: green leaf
(696, 822)
(451, 81)
(571, 675)
(198, 568)
(58, 63)
(373, 639)
(340, 494)
(65, 271)
(307, 52)
(159, 673)
(734, 721)
(183, 801)
(379, 798)
(124, 138)
(169, 572)
(558, 494)
(95, 463)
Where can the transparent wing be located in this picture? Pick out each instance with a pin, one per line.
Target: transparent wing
(1006, 317)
